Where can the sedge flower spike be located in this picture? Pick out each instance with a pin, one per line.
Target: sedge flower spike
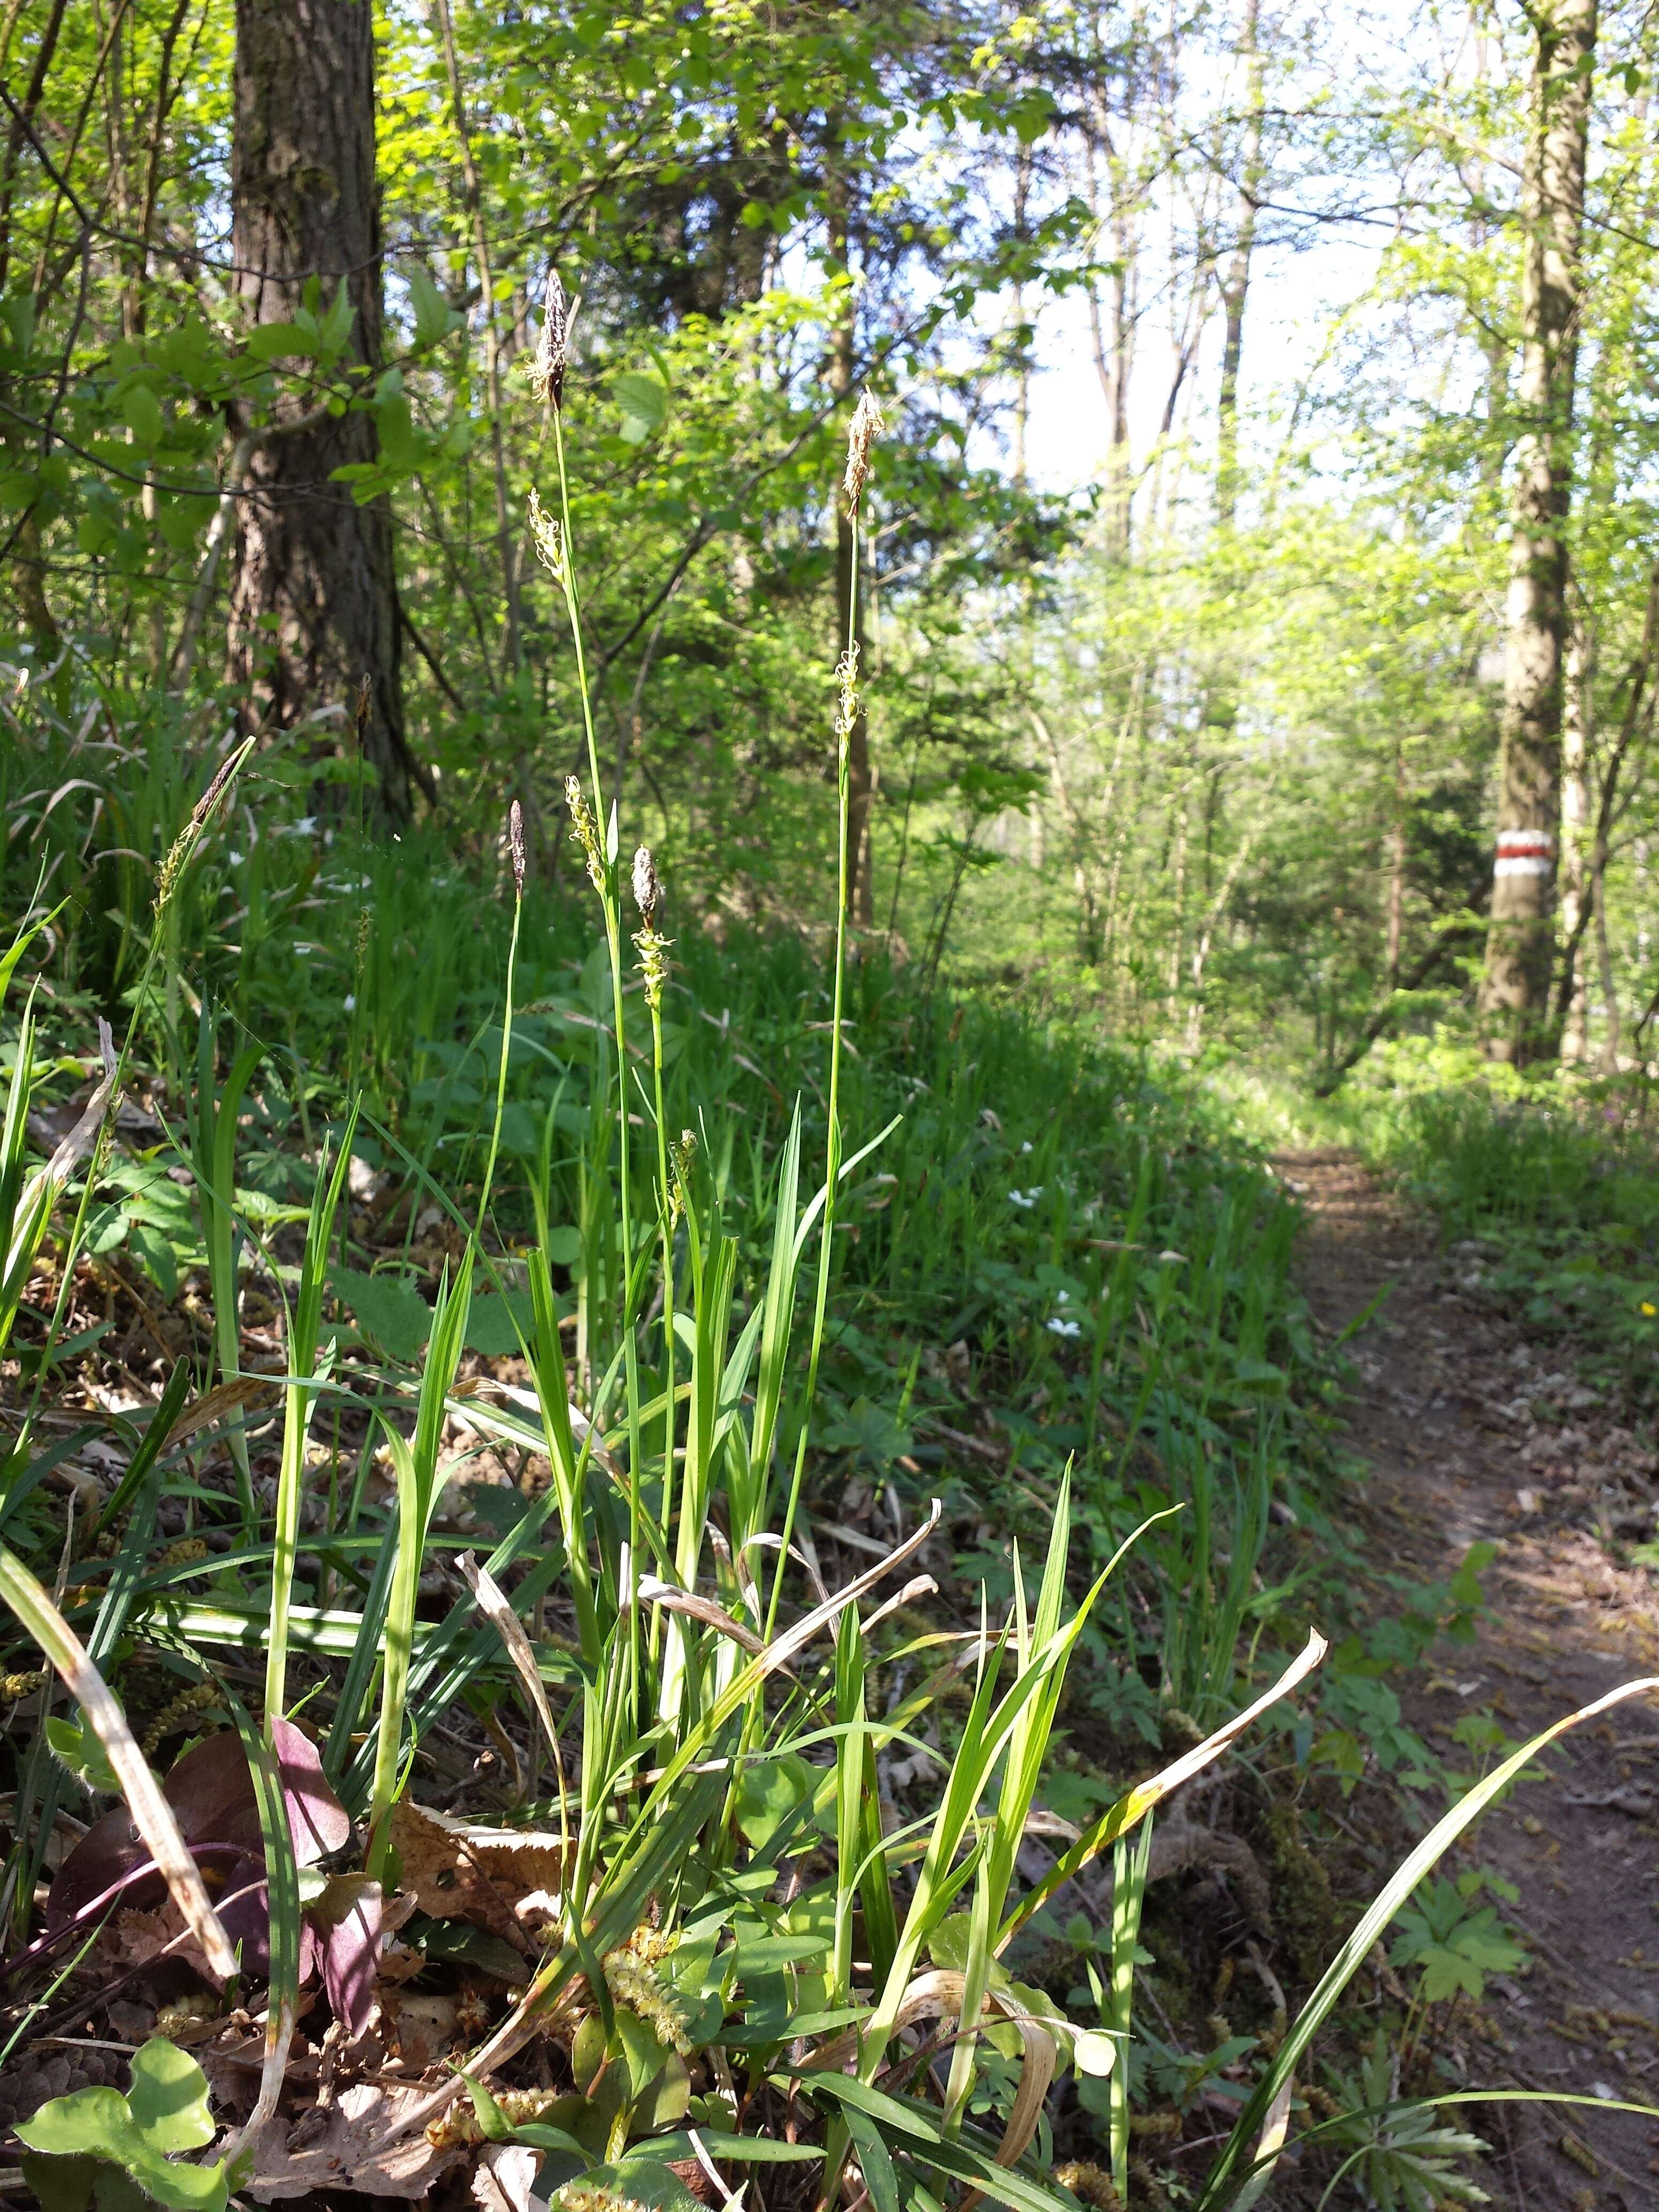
(647, 889)
(584, 832)
(862, 432)
(653, 946)
(552, 355)
(515, 846)
(547, 537)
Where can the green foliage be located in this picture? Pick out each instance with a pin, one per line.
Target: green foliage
(1400, 2156)
(1454, 1941)
(83, 2146)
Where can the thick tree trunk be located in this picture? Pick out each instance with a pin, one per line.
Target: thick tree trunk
(314, 614)
(1520, 943)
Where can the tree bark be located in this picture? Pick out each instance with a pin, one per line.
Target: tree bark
(1395, 925)
(1113, 362)
(1577, 724)
(1236, 285)
(1520, 943)
(314, 619)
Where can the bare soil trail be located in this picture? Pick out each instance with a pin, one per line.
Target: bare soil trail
(1472, 1432)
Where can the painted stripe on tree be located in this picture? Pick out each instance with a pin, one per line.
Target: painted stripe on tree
(1524, 852)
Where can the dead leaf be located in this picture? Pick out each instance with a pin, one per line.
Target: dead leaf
(422, 2026)
(506, 2177)
(458, 1872)
(352, 2151)
(240, 1393)
(139, 1939)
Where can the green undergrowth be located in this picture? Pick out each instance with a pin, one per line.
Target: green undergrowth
(1057, 1256)
(408, 1138)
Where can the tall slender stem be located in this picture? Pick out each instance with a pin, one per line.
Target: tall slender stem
(610, 900)
(845, 723)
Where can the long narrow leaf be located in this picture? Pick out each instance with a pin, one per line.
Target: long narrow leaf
(1227, 2177)
(152, 1815)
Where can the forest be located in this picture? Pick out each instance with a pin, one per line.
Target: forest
(828, 1219)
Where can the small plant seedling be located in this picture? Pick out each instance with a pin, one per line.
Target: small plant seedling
(98, 2148)
(1401, 2158)
(1456, 1942)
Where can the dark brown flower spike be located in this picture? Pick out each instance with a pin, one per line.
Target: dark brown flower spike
(515, 846)
(553, 346)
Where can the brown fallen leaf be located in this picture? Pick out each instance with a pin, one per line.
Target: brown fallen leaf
(456, 1871)
(421, 2026)
(352, 2151)
(241, 1392)
(506, 2177)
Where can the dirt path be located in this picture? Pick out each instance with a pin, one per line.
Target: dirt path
(1472, 1432)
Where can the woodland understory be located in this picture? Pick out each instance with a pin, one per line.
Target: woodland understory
(828, 1253)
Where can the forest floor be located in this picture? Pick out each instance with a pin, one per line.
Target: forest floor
(1472, 1432)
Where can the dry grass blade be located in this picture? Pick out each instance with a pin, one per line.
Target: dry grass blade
(939, 1993)
(1269, 2143)
(651, 1591)
(495, 1602)
(240, 1393)
(782, 1649)
(152, 1815)
(43, 1186)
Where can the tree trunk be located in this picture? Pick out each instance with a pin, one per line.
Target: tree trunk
(1114, 359)
(1577, 723)
(1023, 366)
(313, 619)
(1520, 943)
(849, 606)
(1396, 926)
(1236, 285)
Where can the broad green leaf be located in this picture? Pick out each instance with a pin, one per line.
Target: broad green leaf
(434, 317)
(141, 412)
(80, 1751)
(169, 2097)
(337, 323)
(272, 341)
(644, 403)
(390, 1309)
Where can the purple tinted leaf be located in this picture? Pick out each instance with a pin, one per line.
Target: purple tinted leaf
(352, 1954)
(211, 1792)
(318, 1822)
(245, 1908)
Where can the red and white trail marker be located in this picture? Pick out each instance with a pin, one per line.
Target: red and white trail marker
(1524, 852)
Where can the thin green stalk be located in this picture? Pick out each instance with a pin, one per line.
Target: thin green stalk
(515, 840)
(300, 1400)
(1130, 1857)
(416, 1468)
(845, 719)
(611, 904)
(667, 1210)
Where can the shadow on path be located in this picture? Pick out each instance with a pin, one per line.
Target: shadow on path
(1471, 1433)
